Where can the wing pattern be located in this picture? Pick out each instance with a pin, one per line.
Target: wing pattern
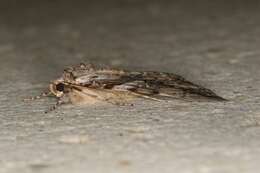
(149, 83)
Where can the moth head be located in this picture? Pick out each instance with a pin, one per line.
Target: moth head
(58, 88)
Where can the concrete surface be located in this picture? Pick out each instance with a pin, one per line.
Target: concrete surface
(215, 44)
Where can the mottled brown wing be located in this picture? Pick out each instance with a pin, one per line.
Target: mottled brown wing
(144, 83)
(97, 77)
(166, 85)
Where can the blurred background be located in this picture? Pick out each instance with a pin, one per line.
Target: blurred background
(39, 38)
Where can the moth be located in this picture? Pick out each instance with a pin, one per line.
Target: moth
(90, 84)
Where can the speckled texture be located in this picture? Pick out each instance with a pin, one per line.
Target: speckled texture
(215, 44)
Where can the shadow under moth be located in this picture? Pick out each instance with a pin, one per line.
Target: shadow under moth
(89, 84)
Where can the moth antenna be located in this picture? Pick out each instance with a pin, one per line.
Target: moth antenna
(43, 94)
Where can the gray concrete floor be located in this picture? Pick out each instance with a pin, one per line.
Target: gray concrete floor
(215, 44)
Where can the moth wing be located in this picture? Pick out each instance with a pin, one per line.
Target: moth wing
(178, 85)
(103, 78)
(137, 86)
(144, 83)
(166, 85)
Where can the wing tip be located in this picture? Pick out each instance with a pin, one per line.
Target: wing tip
(218, 98)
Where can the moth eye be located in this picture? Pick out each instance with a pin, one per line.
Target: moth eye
(60, 87)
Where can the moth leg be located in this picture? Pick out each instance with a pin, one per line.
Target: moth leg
(60, 101)
(43, 94)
